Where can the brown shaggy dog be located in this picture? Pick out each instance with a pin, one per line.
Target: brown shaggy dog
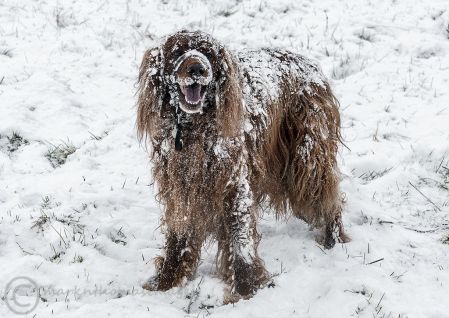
(229, 133)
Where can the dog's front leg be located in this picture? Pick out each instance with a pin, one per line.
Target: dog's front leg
(239, 262)
(182, 253)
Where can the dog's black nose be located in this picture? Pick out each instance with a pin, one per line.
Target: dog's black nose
(196, 69)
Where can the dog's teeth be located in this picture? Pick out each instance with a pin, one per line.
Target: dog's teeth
(192, 102)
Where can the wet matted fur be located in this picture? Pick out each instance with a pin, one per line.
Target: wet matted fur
(228, 133)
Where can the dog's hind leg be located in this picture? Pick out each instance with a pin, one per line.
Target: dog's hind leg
(308, 139)
(322, 208)
(182, 253)
(238, 262)
(333, 230)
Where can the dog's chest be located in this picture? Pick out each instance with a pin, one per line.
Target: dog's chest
(195, 181)
(200, 168)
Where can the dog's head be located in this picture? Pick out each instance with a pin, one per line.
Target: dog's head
(192, 74)
(193, 71)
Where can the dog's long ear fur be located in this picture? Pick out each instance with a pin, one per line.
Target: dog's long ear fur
(151, 93)
(230, 97)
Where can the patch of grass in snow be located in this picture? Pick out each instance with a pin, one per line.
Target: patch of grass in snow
(98, 137)
(373, 307)
(6, 52)
(371, 175)
(346, 66)
(118, 237)
(65, 19)
(437, 179)
(73, 231)
(444, 174)
(197, 303)
(56, 257)
(70, 231)
(445, 239)
(442, 171)
(12, 143)
(72, 222)
(47, 215)
(365, 35)
(57, 154)
(48, 203)
(77, 259)
(226, 13)
(40, 221)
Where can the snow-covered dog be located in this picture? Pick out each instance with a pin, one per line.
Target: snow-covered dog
(229, 133)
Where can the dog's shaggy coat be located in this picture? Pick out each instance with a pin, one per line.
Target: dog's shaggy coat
(229, 133)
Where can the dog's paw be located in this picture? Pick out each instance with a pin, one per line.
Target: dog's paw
(332, 234)
(247, 279)
(152, 283)
(231, 296)
(329, 242)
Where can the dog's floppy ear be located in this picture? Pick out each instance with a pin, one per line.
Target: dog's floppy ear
(229, 95)
(150, 91)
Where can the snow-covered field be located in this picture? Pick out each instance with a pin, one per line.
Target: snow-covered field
(77, 213)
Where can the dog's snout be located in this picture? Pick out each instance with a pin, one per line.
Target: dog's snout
(196, 69)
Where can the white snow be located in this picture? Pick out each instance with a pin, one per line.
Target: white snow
(91, 224)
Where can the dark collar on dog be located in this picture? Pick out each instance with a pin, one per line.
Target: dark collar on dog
(178, 136)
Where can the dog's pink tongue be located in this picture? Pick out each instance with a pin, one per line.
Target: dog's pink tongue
(193, 93)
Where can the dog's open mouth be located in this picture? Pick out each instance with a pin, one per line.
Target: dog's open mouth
(193, 95)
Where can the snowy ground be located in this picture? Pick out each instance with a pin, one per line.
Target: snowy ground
(67, 84)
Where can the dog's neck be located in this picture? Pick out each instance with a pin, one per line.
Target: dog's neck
(182, 118)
